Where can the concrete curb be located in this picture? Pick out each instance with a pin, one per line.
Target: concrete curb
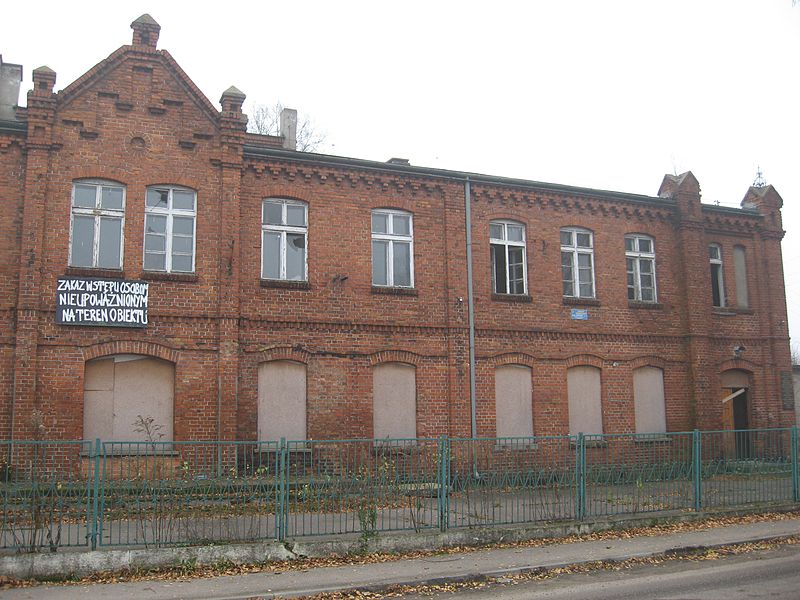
(491, 573)
(82, 563)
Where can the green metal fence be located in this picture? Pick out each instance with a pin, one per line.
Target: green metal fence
(106, 494)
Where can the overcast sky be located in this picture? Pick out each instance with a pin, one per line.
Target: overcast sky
(608, 94)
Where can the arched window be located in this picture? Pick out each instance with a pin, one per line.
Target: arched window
(98, 223)
(640, 260)
(392, 248)
(585, 400)
(740, 270)
(507, 243)
(577, 262)
(717, 277)
(512, 397)
(128, 397)
(648, 399)
(169, 229)
(281, 401)
(394, 401)
(284, 239)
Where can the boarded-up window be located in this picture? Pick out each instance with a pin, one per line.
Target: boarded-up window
(648, 398)
(281, 401)
(512, 397)
(585, 410)
(394, 401)
(740, 271)
(120, 391)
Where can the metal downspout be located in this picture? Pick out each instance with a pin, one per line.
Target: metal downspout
(471, 311)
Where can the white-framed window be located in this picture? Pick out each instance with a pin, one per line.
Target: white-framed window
(640, 259)
(392, 248)
(169, 229)
(509, 271)
(577, 262)
(98, 219)
(284, 238)
(717, 278)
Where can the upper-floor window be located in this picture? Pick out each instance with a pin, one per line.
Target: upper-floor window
(577, 262)
(392, 248)
(640, 258)
(169, 229)
(507, 242)
(717, 278)
(740, 272)
(98, 217)
(284, 236)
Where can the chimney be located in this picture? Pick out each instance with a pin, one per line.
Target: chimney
(10, 78)
(288, 128)
(145, 31)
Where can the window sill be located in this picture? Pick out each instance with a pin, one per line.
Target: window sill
(645, 305)
(132, 450)
(180, 277)
(512, 447)
(91, 272)
(395, 291)
(285, 284)
(511, 297)
(570, 301)
(650, 438)
(590, 443)
(730, 311)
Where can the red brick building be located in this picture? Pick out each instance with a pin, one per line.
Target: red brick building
(159, 262)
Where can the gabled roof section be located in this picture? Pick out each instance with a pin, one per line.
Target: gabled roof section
(119, 56)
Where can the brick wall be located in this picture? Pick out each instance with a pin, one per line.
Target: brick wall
(136, 119)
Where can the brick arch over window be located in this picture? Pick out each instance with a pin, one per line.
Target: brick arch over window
(401, 356)
(584, 360)
(285, 353)
(286, 192)
(131, 347)
(105, 174)
(512, 358)
(648, 361)
(738, 364)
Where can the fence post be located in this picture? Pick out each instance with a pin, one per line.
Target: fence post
(443, 483)
(281, 515)
(795, 471)
(580, 477)
(697, 470)
(95, 518)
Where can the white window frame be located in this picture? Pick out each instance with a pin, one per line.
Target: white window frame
(391, 238)
(98, 213)
(507, 244)
(638, 256)
(283, 229)
(715, 259)
(170, 213)
(574, 251)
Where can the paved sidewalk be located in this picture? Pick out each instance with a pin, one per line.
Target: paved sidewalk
(433, 569)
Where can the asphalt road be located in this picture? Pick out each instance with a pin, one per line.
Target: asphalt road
(773, 574)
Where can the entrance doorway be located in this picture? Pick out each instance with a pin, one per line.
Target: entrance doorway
(736, 414)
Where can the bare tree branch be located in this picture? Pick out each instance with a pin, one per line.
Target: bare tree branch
(265, 119)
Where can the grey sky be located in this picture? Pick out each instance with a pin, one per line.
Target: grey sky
(610, 94)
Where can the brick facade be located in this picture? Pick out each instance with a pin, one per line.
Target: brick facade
(138, 120)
